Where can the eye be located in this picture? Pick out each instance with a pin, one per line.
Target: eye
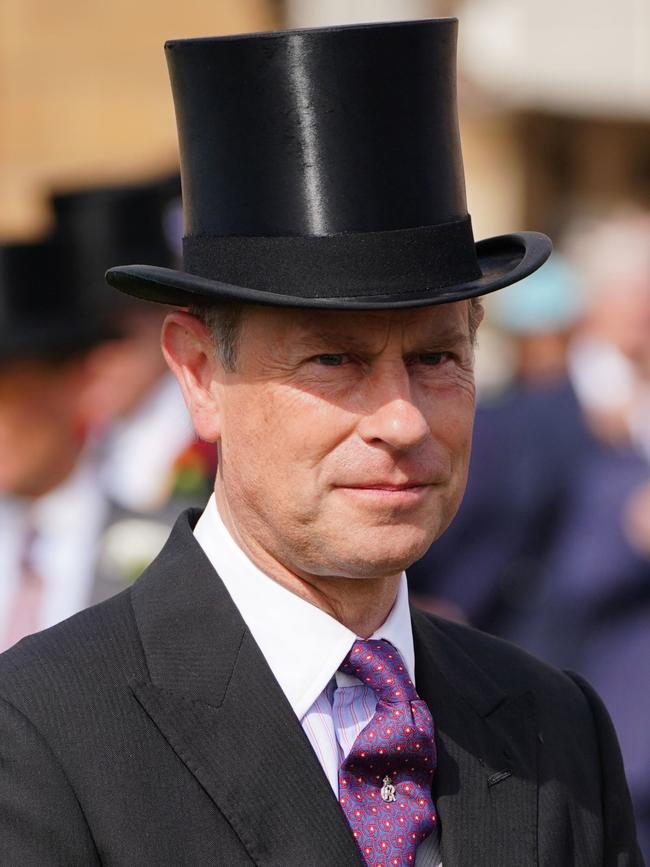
(332, 359)
(432, 359)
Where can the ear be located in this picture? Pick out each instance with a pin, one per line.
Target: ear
(189, 351)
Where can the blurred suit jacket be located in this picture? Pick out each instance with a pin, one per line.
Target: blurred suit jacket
(149, 730)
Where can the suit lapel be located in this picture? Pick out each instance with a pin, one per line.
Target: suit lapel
(486, 782)
(213, 697)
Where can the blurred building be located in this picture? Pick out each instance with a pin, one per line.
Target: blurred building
(568, 87)
(554, 101)
(555, 97)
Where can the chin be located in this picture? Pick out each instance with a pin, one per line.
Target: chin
(385, 554)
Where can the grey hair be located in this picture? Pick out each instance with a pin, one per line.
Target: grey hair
(475, 317)
(224, 322)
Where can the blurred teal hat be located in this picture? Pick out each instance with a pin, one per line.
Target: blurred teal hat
(549, 300)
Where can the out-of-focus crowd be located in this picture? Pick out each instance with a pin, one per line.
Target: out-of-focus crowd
(97, 454)
(551, 547)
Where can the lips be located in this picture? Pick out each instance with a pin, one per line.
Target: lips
(388, 495)
(430, 471)
(388, 486)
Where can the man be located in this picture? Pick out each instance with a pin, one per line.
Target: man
(51, 511)
(68, 537)
(251, 700)
(146, 424)
(142, 431)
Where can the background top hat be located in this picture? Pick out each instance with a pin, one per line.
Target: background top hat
(97, 226)
(44, 311)
(323, 168)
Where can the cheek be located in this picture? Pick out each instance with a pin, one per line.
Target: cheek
(278, 446)
(450, 415)
(280, 438)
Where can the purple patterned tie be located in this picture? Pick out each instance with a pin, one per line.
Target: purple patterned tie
(385, 782)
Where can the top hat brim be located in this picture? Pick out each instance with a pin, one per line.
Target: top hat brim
(503, 260)
(43, 338)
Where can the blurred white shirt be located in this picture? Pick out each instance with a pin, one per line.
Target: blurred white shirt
(66, 524)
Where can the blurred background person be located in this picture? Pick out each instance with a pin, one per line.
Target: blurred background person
(149, 454)
(610, 356)
(98, 453)
(51, 507)
(595, 611)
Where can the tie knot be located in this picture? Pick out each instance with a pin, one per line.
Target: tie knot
(379, 665)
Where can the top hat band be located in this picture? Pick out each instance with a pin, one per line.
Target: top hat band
(342, 265)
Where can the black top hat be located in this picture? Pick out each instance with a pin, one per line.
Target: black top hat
(43, 312)
(323, 168)
(98, 226)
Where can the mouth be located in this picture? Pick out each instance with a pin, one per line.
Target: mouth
(386, 494)
(387, 486)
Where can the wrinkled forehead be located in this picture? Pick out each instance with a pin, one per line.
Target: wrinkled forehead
(359, 326)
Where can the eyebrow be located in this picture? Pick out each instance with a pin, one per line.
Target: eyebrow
(449, 336)
(337, 338)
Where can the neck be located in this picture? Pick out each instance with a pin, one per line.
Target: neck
(360, 604)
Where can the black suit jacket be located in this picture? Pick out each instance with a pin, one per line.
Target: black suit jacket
(149, 730)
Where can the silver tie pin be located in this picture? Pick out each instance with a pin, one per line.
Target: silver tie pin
(388, 790)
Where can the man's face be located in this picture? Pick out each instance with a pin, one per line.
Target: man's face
(39, 413)
(344, 436)
(621, 314)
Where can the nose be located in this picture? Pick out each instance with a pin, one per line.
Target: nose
(394, 419)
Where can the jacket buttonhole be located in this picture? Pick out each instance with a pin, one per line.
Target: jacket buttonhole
(498, 778)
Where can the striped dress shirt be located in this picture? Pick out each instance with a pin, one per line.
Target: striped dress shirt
(304, 647)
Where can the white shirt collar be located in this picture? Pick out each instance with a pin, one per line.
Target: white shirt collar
(303, 645)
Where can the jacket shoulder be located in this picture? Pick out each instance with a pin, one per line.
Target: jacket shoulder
(511, 667)
(487, 669)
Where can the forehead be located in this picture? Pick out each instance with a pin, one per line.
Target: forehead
(361, 326)
(19, 375)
